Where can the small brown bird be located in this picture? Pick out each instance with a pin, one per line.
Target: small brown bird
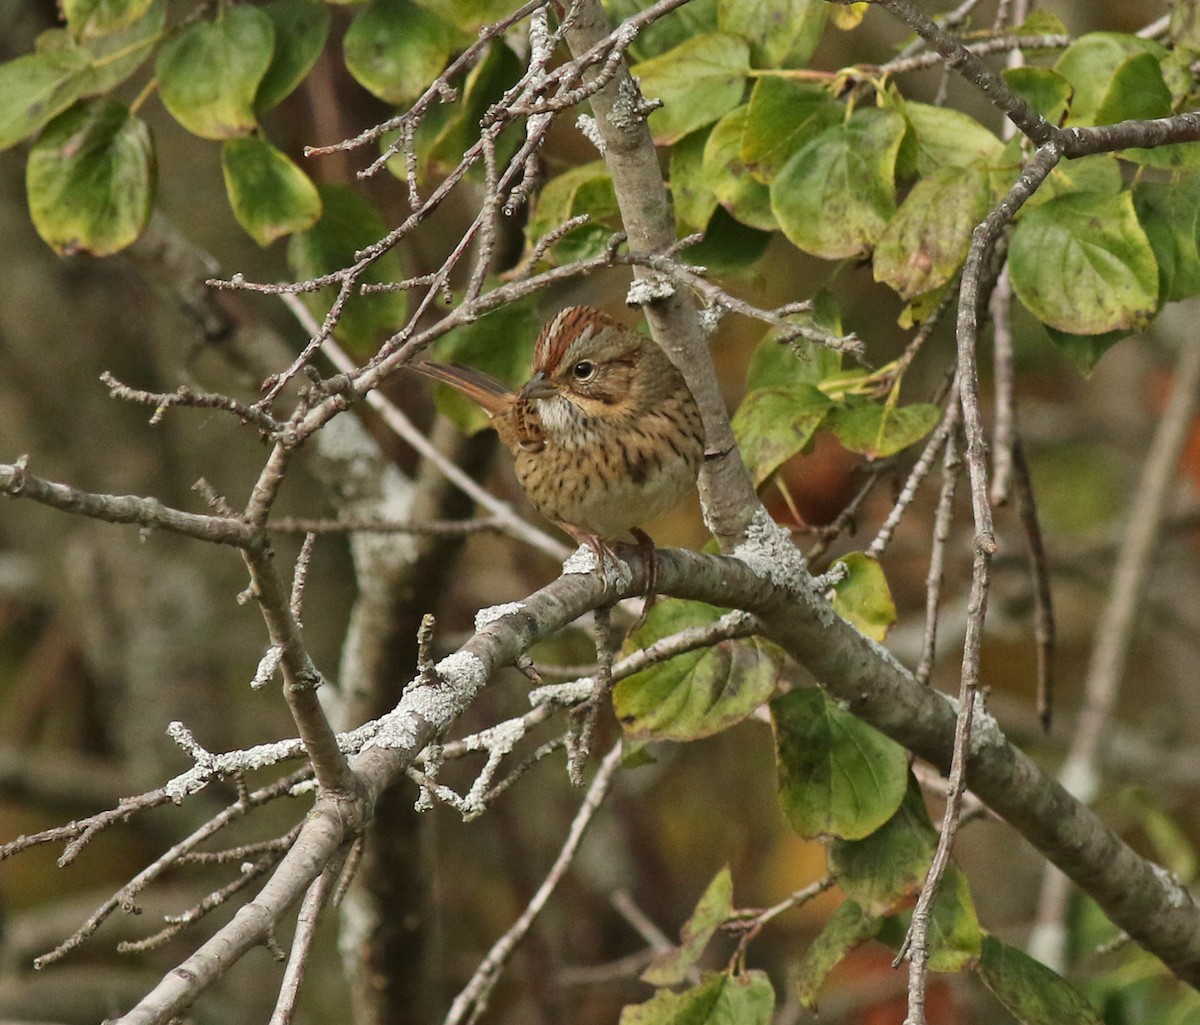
(605, 433)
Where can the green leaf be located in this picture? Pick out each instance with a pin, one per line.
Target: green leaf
(208, 75)
(469, 15)
(888, 866)
(349, 224)
(838, 777)
(1044, 89)
(581, 190)
(784, 115)
(955, 939)
(443, 137)
(1083, 264)
(729, 247)
(696, 18)
(1169, 213)
(1137, 91)
(1090, 65)
(949, 138)
(90, 179)
(877, 430)
(499, 343)
(834, 197)
(104, 62)
(87, 18)
(269, 194)
(719, 999)
(691, 194)
(36, 88)
(33, 91)
(301, 28)
(927, 241)
(698, 81)
(777, 364)
(714, 907)
(849, 927)
(394, 49)
(1032, 992)
(781, 33)
(698, 693)
(746, 199)
(773, 424)
(1084, 351)
(863, 597)
(1099, 173)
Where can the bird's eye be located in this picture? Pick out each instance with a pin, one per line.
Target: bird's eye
(583, 370)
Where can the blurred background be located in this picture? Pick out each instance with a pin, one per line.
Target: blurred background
(107, 635)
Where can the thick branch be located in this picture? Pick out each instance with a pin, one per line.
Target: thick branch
(1139, 896)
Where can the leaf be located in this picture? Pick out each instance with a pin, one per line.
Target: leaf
(714, 907)
(728, 247)
(954, 936)
(394, 49)
(927, 241)
(776, 364)
(87, 18)
(208, 75)
(955, 939)
(1099, 173)
(499, 343)
(348, 224)
(949, 138)
(746, 199)
(691, 195)
(878, 430)
(834, 197)
(1169, 213)
(469, 15)
(33, 91)
(301, 28)
(1084, 351)
(889, 865)
(719, 999)
(781, 33)
(773, 424)
(104, 62)
(698, 81)
(269, 194)
(441, 141)
(696, 18)
(582, 190)
(1044, 89)
(91, 179)
(1032, 992)
(698, 693)
(1090, 64)
(863, 598)
(37, 87)
(784, 115)
(838, 777)
(1083, 264)
(849, 927)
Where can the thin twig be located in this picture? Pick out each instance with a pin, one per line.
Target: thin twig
(1043, 601)
(472, 1001)
(951, 467)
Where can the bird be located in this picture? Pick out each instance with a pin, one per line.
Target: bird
(605, 434)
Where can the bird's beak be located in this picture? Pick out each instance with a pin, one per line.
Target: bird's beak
(538, 387)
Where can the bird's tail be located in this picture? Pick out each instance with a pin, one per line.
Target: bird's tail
(479, 387)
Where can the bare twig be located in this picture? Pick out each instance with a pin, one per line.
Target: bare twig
(472, 1001)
